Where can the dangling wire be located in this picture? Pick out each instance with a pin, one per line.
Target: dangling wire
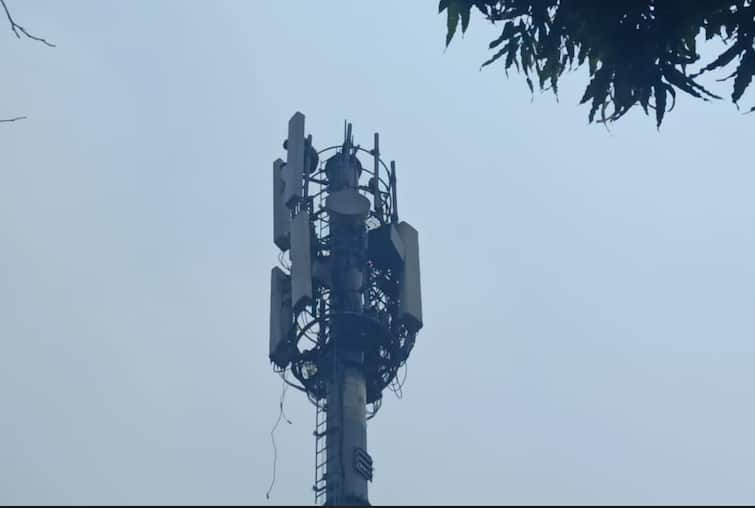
(281, 416)
(396, 386)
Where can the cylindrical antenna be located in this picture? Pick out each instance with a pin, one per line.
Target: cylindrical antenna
(347, 142)
(394, 193)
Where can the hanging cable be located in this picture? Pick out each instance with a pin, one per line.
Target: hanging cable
(281, 416)
(396, 386)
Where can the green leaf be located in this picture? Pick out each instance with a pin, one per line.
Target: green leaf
(596, 83)
(599, 100)
(644, 98)
(583, 51)
(508, 31)
(745, 72)
(453, 21)
(687, 84)
(458, 10)
(465, 15)
(593, 63)
(679, 80)
(514, 45)
(495, 57)
(660, 103)
(570, 51)
(597, 90)
(723, 59)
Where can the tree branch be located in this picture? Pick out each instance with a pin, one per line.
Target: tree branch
(18, 29)
(16, 119)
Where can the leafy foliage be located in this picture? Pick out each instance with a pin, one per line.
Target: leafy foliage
(637, 51)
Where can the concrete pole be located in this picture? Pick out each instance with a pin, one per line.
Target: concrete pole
(347, 392)
(347, 433)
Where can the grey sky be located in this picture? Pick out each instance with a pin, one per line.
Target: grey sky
(588, 295)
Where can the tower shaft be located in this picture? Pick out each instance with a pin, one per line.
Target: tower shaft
(347, 391)
(347, 435)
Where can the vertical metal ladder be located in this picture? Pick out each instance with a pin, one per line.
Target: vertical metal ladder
(321, 454)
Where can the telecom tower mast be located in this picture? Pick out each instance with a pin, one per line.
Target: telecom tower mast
(346, 304)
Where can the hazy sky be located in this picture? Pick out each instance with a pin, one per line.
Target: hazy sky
(588, 295)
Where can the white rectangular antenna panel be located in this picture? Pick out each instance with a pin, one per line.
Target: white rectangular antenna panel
(281, 317)
(301, 260)
(281, 213)
(293, 173)
(410, 298)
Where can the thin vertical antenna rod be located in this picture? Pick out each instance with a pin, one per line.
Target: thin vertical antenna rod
(376, 190)
(348, 142)
(394, 193)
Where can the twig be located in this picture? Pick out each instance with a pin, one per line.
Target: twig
(18, 28)
(16, 119)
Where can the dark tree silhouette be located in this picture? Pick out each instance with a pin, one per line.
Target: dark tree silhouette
(19, 30)
(638, 52)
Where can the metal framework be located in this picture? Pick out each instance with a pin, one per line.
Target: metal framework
(346, 308)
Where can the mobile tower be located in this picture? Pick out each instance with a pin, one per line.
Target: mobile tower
(345, 303)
